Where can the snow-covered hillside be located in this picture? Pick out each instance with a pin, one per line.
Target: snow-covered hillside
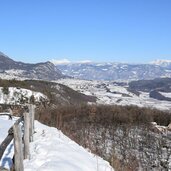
(14, 95)
(108, 92)
(52, 150)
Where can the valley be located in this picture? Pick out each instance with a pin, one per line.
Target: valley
(120, 93)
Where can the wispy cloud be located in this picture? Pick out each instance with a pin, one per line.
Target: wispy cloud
(84, 61)
(60, 61)
(66, 61)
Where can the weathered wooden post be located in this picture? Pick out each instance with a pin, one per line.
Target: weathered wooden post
(18, 157)
(26, 136)
(33, 113)
(31, 129)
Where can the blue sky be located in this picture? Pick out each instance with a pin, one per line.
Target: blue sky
(135, 31)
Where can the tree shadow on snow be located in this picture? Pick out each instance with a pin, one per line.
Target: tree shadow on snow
(7, 160)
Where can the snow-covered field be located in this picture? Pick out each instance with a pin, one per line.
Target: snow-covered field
(111, 93)
(166, 94)
(51, 150)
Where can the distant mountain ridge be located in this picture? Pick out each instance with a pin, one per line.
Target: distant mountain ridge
(115, 71)
(87, 70)
(44, 71)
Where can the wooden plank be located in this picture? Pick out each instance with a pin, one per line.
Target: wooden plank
(6, 114)
(33, 118)
(26, 135)
(18, 158)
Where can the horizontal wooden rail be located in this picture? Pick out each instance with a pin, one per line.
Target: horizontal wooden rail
(6, 114)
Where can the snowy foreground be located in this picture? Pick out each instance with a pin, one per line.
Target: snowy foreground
(5, 124)
(52, 150)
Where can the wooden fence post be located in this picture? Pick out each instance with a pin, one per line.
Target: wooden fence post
(26, 136)
(31, 129)
(18, 157)
(33, 118)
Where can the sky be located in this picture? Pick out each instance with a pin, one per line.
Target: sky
(133, 31)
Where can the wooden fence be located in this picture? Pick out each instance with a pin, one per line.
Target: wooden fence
(21, 138)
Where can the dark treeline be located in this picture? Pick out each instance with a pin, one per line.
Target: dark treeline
(103, 114)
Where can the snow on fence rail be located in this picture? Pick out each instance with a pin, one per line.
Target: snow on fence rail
(15, 133)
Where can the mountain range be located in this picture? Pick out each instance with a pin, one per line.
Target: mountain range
(88, 70)
(116, 71)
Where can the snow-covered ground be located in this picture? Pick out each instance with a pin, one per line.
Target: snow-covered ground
(111, 93)
(19, 95)
(166, 94)
(5, 124)
(51, 150)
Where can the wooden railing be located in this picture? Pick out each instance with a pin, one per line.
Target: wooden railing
(21, 138)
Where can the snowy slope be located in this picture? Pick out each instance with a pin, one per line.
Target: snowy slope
(52, 150)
